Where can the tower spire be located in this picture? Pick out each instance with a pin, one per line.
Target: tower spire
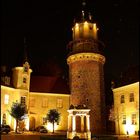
(25, 56)
(83, 9)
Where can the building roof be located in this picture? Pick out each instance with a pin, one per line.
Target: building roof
(49, 84)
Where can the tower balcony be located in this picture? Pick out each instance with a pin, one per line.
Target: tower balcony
(85, 45)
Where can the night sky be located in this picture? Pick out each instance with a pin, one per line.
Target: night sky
(47, 27)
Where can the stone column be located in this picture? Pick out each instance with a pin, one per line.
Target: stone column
(87, 122)
(82, 123)
(69, 122)
(73, 123)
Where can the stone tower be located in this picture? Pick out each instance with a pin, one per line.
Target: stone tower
(86, 74)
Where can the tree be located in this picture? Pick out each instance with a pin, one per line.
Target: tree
(53, 117)
(18, 112)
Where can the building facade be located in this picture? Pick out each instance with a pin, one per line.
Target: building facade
(126, 109)
(38, 103)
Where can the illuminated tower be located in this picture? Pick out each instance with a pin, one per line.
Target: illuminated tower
(86, 74)
(21, 74)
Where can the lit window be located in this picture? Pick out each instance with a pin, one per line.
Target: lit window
(124, 119)
(59, 103)
(131, 97)
(32, 102)
(122, 98)
(45, 103)
(23, 100)
(6, 99)
(134, 119)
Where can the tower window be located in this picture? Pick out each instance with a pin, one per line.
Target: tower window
(90, 27)
(131, 97)
(24, 80)
(124, 119)
(134, 119)
(122, 99)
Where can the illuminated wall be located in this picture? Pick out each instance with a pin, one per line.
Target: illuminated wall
(8, 96)
(41, 103)
(126, 109)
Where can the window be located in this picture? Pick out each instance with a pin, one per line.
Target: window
(32, 102)
(122, 98)
(44, 120)
(45, 103)
(6, 99)
(131, 97)
(134, 119)
(24, 80)
(124, 119)
(23, 100)
(4, 119)
(59, 103)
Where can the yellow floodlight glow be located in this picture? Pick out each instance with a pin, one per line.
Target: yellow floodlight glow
(49, 126)
(14, 124)
(27, 123)
(85, 22)
(130, 129)
(9, 119)
(76, 24)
